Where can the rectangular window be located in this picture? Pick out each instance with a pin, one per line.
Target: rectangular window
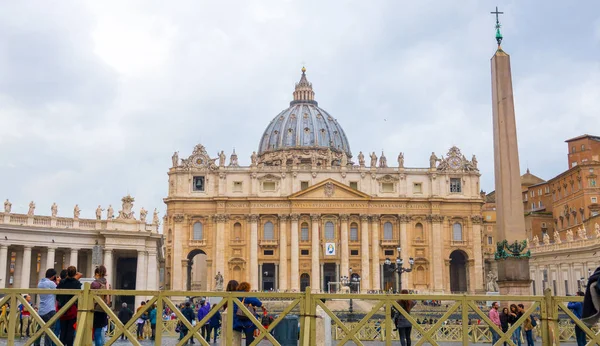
(488, 217)
(417, 188)
(388, 252)
(592, 182)
(198, 183)
(539, 204)
(573, 164)
(490, 241)
(354, 185)
(268, 252)
(237, 186)
(387, 187)
(455, 185)
(594, 199)
(353, 252)
(532, 193)
(539, 192)
(303, 185)
(304, 252)
(269, 186)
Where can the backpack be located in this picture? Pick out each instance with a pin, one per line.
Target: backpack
(533, 322)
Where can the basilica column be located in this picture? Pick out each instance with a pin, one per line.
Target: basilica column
(50, 257)
(282, 284)
(375, 251)
(344, 265)
(365, 277)
(315, 276)
(26, 267)
(404, 244)
(294, 246)
(220, 244)
(108, 263)
(74, 253)
(254, 268)
(140, 276)
(477, 273)
(181, 236)
(3, 264)
(437, 256)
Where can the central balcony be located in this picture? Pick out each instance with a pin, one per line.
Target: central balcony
(268, 243)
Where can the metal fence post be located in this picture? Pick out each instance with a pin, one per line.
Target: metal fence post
(546, 309)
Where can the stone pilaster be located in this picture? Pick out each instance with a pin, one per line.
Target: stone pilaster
(437, 238)
(315, 276)
(140, 276)
(344, 252)
(26, 267)
(3, 264)
(294, 247)
(282, 284)
(406, 248)
(477, 276)
(181, 237)
(219, 237)
(152, 278)
(254, 269)
(375, 285)
(108, 263)
(365, 283)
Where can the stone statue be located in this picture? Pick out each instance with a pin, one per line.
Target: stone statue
(329, 157)
(401, 160)
(76, 211)
(254, 158)
(597, 228)
(569, 236)
(546, 238)
(382, 161)
(31, 209)
(175, 159)
(126, 212)
(582, 232)
(492, 285)
(361, 159)
(557, 237)
(295, 161)
(54, 209)
(373, 160)
(535, 241)
(218, 282)
(313, 159)
(474, 161)
(344, 161)
(433, 160)
(143, 213)
(8, 207)
(222, 159)
(155, 219)
(99, 212)
(233, 159)
(110, 213)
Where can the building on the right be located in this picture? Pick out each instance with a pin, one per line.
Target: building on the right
(562, 220)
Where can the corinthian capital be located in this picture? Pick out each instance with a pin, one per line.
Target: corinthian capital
(221, 217)
(178, 218)
(344, 217)
(253, 218)
(375, 218)
(364, 218)
(294, 217)
(476, 219)
(283, 217)
(404, 218)
(435, 218)
(315, 217)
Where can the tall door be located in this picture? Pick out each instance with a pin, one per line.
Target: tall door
(329, 275)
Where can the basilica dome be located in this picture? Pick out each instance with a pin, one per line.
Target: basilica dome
(302, 128)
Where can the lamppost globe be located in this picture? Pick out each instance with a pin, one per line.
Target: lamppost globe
(387, 262)
(411, 261)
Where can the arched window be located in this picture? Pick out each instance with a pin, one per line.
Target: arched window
(268, 233)
(198, 234)
(388, 231)
(169, 235)
(237, 231)
(419, 231)
(329, 231)
(304, 232)
(354, 232)
(457, 232)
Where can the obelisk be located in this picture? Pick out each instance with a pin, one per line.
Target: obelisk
(511, 255)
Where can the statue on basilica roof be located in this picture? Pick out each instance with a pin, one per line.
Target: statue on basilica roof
(8, 207)
(433, 159)
(143, 213)
(401, 160)
(110, 213)
(557, 237)
(382, 161)
(361, 159)
(31, 210)
(155, 219)
(99, 212)
(254, 159)
(373, 160)
(222, 159)
(474, 161)
(569, 235)
(233, 160)
(175, 159)
(54, 209)
(76, 211)
(126, 212)
(344, 160)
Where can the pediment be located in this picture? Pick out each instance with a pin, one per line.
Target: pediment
(330, 190)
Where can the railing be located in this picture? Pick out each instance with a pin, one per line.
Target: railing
(19, 220)
(375, 325)
(42, 221)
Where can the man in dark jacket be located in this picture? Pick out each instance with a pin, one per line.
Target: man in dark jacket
(189, 314)
(69, 318)
(591, 301)
(124, 316)
(577, 309)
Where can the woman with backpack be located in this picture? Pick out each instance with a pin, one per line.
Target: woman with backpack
(404, 326)
(100, 317)
(241, 322)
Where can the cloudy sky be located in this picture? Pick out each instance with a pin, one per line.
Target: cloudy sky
(95, 96)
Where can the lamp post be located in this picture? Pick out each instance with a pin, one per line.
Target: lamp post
(348, 281)
(398, 268)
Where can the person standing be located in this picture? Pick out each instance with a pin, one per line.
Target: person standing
(202, 312)
(214, 325)
(69, 318)
(152, 318)
(124, 316)
(189, 314)
(577, 309)
(100, 317)
(242, 323)
(504, 321)
(47, 306)
(495, 317)
(25, 316)
(402, 323)
(141, 321)
(513, 317)
(528, 326)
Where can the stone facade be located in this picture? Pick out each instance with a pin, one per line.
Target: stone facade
(32, 243)
(302, 216)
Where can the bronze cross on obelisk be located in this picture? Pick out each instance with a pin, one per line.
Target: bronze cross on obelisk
(497, 13)
(498, 34)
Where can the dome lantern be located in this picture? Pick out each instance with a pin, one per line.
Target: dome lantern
(304, 92)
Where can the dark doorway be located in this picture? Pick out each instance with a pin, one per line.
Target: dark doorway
(304, 282)
(268, 276)
(389, 278)
(329, 275)
(355, 283)
(125, 280)
(196, 259)
(458, 272)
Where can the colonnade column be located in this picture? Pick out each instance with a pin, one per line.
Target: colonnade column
(282, 284)
(3, 264)
(180, 236)
(254, 268)
(140, 276)
(375, 252)
(365, 282)
(108, 263)
(73, 258)
(50, 257)
(294, 263)
(437, 258)
(315, 276)
(477, 275)
(404, 244)
(344, 265)
(26, 267)
(220, 244)
(152, 278)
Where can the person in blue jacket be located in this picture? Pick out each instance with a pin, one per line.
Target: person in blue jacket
(214, 324)
(244, 325)
(577, 309)
(152, 319)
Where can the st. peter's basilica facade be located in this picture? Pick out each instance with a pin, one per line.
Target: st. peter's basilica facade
(307, 211)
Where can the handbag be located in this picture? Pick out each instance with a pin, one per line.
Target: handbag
(240, 313)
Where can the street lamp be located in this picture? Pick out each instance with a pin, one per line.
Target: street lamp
(348, 281)
(397, 267)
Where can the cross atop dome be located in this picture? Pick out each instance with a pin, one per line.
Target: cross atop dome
(304, 92)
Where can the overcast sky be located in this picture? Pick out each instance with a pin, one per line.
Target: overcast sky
(95, 96)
